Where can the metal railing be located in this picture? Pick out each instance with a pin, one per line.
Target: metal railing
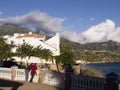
(87, 83)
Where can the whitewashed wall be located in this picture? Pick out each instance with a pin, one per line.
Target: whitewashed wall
(53, 44)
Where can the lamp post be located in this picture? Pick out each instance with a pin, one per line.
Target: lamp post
(68, 77)
(112, 81)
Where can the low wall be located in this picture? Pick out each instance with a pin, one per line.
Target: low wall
(54, 79)
(16, 74)
(58, 79)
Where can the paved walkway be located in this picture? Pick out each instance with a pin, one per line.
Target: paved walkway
(14, 85)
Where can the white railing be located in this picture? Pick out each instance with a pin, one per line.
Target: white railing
(54, 79)
(5, 73)
(57, 79)
(87, 83)
(20, 74)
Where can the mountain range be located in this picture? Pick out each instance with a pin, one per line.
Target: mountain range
(10, 29)
(111, 46)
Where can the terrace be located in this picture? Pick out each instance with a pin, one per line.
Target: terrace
(58, 81)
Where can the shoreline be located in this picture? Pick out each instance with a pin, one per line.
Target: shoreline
(105, 67)
(97, 62)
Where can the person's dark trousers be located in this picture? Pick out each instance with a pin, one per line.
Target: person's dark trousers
(32, 76)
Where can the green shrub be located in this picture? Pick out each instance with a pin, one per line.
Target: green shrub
(90, 72)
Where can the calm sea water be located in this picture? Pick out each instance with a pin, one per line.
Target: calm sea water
(105, 68)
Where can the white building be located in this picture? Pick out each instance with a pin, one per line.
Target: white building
(53, 44)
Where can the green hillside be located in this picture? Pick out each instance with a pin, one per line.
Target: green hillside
(93, 52)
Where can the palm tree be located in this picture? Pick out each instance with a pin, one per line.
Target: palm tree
(43, 53)
(37, 51)
(46, 54)
(24, 50)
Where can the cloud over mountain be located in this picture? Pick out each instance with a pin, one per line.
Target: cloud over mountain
(40, 21)
(36, 20)
(98, 33)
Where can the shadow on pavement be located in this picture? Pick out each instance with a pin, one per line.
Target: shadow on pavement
(9, 84)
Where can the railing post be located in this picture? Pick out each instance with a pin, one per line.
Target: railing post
(13, 73)
(41, 76)
(76, 68)
(112, 81)
(68, 79)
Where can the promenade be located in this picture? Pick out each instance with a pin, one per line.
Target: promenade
(15, 85)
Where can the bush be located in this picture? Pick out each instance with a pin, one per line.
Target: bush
(90, 72)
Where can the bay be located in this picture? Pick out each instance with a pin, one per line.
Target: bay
(105, 68)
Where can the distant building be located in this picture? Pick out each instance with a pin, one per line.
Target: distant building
(53, 44)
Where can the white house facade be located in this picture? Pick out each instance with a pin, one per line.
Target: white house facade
(53, 44)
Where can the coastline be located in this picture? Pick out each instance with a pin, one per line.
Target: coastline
(105, 68)
(83, 62)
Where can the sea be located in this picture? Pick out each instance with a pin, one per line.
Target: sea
(104, 68)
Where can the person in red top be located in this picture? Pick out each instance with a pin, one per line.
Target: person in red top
(33, 71)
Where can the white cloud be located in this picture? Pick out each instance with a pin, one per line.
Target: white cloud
(37, 20)
(98, 33)
(43, 22)
(73, 36)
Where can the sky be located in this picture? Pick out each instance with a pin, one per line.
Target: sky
(80, 21)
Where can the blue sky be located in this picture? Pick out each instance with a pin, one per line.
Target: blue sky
(75, 17)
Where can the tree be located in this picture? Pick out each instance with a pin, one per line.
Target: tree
(43, 53)
(24, 50)
(46, 54)
(5, 50)
(66, 57)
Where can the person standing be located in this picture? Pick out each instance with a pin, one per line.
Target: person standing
(27, 70)
(33, 71)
